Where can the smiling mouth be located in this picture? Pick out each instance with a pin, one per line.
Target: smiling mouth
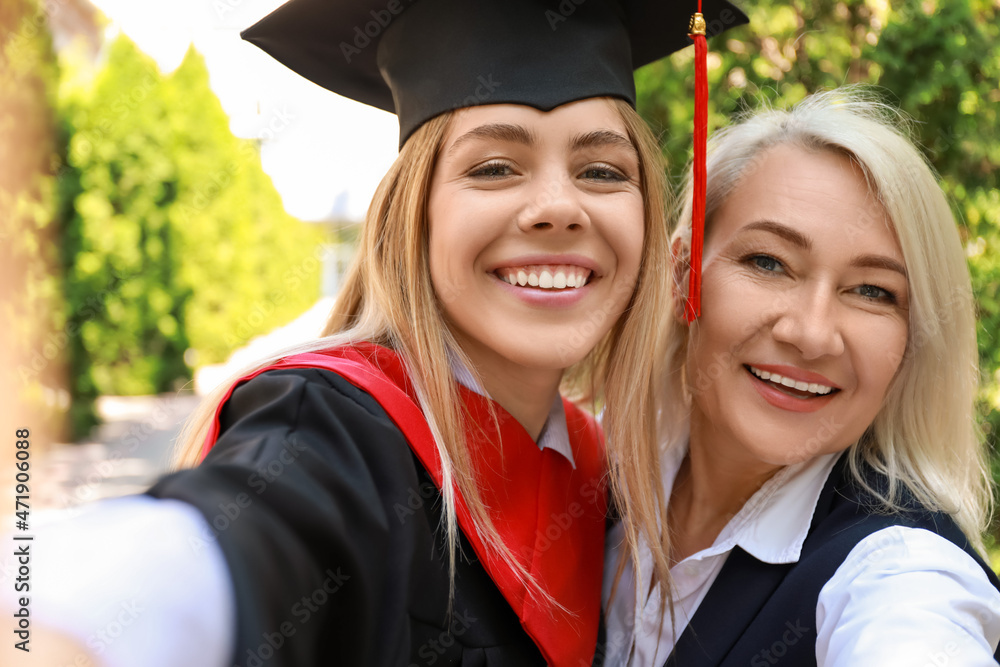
(795, 388)
(545, 276)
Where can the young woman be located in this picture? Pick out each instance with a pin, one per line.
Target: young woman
(338, 467)
(827, 488)
(412, 488)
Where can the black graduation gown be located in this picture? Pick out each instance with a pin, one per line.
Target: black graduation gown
(331, 528)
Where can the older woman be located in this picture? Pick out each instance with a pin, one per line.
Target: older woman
(412, 488)
(826, 487)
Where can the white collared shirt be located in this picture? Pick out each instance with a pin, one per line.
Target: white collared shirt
(904, 583)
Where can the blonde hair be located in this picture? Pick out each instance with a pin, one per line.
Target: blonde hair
(924, 439)
(388, 299)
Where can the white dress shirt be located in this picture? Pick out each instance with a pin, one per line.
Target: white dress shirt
(142, 581)
(903, 596)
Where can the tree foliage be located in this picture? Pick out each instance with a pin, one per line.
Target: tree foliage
(248, 264)
(172, 234)
(939, 61)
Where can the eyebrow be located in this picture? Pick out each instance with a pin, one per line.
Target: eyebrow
(784, 231)
(866, 261)
(878, 262)
(510, 133)
(505, 132)
(600, 138)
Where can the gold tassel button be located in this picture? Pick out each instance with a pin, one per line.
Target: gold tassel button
(697, 26)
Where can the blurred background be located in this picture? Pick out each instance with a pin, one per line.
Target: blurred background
(174, 204)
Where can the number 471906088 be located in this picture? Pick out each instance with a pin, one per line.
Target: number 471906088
(21, 505)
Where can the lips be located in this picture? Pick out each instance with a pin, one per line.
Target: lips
(781, 388)
(545, 276)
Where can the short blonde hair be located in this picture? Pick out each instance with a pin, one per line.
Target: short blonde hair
(925, 438)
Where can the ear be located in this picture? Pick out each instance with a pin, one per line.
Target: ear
(679, 270)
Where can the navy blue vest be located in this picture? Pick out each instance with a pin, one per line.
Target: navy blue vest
(757, 614)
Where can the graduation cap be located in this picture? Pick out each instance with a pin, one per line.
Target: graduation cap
(420, 58)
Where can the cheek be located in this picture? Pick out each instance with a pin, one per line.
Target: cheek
(436, 232)
(454, 246)
(629, 262)
(442, 258)
(449, 283)
(622, 224)
(635, 236)
(882, 352)
(734, 310)
(710, 362)
(436, 255)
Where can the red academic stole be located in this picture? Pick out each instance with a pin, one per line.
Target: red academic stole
(550, 515)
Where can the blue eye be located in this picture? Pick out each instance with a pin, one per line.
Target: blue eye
(766, 263)
(875, 293)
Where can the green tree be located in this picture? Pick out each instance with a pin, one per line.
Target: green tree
(248, 264)
(938, 61)
(119, 251)
(173, 234)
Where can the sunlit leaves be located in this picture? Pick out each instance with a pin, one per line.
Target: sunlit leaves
(172, 233)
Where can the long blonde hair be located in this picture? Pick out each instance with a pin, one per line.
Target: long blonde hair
(388, 299)
(924, 439)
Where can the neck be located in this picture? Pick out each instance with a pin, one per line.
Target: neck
(527, 399)
(526, 393)
(712, 485)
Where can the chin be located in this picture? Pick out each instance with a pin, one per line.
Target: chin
(551, 358)
(800, 452)
(547, 349)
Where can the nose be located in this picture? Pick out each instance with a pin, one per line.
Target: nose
(553, 205)
(808, 320)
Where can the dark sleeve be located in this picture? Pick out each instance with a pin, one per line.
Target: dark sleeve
(299, 492)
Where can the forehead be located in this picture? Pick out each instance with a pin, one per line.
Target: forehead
(821, 192)
(568, 119)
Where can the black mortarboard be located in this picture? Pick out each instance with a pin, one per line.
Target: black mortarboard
(420, 58)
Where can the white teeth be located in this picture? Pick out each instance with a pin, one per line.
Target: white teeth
(545, 277)
(811, 387)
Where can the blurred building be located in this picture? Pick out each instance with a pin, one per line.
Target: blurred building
(77, 25)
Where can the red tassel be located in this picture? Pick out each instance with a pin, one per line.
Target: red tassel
(693, 306)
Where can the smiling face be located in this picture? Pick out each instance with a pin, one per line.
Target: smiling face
(535, 233)
(804, 316)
